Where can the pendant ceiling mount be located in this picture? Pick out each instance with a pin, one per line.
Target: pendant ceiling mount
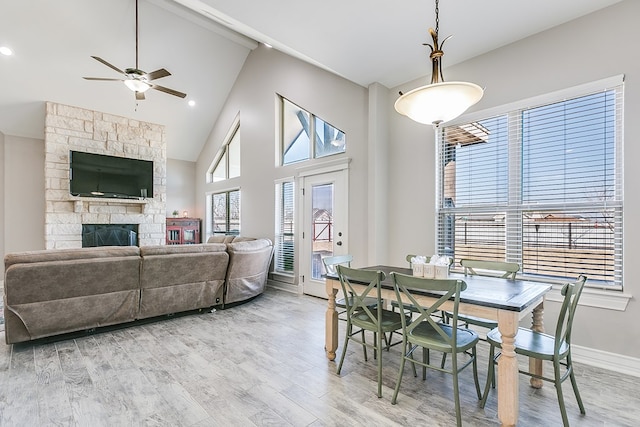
(439, 101)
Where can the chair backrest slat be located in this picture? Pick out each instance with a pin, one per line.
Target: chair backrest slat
(405, 286)
(509, 269)
(330, 262)
(352, 280)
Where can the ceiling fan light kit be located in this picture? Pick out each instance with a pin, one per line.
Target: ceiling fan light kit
(439, 101)
(135, 79)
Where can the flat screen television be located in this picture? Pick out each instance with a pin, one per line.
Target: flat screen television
(98, 175)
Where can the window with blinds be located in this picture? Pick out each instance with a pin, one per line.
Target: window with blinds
(537, 185)
(285, 228)
(225, 208)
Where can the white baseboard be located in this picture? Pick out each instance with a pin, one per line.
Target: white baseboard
(606, 360)
(288, 287)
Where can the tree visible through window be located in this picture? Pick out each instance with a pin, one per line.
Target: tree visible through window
(540, 186)
(225, 208)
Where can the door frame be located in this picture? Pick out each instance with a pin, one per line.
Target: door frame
(332, 174)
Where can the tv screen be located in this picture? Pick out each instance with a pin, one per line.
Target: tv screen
(97, 175)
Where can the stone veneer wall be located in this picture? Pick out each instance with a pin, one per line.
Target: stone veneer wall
(71, 128)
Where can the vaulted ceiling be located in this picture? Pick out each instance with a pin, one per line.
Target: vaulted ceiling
(204, 43)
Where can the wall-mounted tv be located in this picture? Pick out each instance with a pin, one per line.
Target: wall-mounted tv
(98, 175)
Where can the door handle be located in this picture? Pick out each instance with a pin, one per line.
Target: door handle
(339, 243)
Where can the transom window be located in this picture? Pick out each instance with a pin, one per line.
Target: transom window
(306, 136)
(538, 185)
(226, 164)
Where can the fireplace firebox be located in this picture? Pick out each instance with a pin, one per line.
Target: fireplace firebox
(109, 235)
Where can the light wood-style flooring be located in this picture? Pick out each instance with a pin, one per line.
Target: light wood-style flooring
(261, 364)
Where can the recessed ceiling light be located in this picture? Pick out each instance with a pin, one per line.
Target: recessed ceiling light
(267, 45)
(6, 51)
(192, 103)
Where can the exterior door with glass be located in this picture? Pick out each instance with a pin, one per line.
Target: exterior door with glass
(325, 210)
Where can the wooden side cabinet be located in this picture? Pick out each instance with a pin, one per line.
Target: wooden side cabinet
(182, 231)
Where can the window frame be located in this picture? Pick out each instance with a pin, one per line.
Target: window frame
(313, 143)
(223, 154)
(515, 206)
(211, 220)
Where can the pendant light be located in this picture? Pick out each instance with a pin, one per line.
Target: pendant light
(439, 101)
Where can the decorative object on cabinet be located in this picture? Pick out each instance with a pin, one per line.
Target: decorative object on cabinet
(182, 231)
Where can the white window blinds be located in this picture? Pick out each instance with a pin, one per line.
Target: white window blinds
(285, 227)
(539, 185)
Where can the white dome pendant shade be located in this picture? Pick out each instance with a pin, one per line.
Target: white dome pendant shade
(439, 101)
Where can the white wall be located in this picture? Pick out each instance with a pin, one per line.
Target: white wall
(24, 207)
(22, 196)
(339, 102)
(2, 168)
(588, 49)
(181, 193)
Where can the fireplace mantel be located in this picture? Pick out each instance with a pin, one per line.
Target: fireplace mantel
(79, 202)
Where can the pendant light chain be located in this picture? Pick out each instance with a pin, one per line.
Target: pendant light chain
(437, 17)
(439, 101)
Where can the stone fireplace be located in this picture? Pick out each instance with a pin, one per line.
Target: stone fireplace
(71, 128)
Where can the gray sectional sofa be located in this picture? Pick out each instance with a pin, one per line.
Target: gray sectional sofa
(51, 292)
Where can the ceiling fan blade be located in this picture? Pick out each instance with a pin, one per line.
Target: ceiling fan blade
(102, 78)
(169, 91)
(113, 67)
(139, 96)
(157, 74)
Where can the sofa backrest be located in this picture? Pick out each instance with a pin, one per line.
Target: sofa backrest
(167, 265)
(84, 271)
(220, 238)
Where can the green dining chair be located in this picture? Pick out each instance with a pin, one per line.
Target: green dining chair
(363, 284)
(426, 332)
(505, 270)
(394, 304)
(330, 264)
(554, 348)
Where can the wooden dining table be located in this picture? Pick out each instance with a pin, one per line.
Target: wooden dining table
(506, 301)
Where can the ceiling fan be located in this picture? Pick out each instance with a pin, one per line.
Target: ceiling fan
(134, 78)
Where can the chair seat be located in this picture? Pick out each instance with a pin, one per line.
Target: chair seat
(391, 321)
(477, 321)
(425, 335)
(369, 302)
(530, 343)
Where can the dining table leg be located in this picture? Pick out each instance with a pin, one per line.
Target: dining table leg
(535, 365)
(508, 369)
(331, 322)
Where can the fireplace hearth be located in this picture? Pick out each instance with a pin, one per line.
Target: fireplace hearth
(109, 235)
